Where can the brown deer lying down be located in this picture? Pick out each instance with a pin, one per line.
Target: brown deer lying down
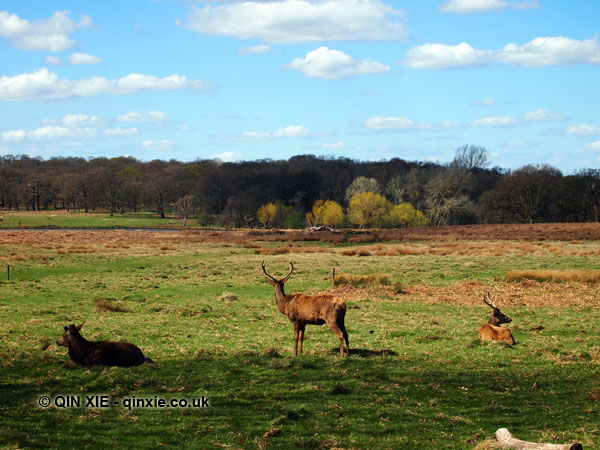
(304, 309)
(492, 331)
(105, 353)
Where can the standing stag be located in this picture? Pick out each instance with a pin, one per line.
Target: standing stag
(492, 331)
(304, 309)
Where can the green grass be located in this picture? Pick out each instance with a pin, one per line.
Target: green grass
(75, 219)
(417, 376)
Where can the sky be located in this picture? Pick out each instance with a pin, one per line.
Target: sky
(247, 80)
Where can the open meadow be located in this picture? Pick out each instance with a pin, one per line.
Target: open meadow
(197, 303)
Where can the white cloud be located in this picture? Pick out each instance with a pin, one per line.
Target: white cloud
(133, 131)
(334, 64)
(494, 121)
(593, 145)
(551, 51)
(541, 115)
(583, 130)
(51, 133)
(471, 6)
(163, 144)
(479, 6)
(402, 123)
(292, 132)
(50, 34)
(295, 21)
(185, 127)
(228, 157)
(44, 85)
(53, 60)
(334, 145)
(254, 50)
(83, 58)
(485, 102)
(540, 52)
(79, 120)
(13, 136)
(153, 116)
(442, 56)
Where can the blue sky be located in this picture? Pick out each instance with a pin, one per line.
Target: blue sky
(365, 79)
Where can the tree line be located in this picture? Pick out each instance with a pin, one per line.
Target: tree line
(305, 190)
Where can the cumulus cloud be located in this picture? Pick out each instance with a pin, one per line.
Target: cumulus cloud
(541, 115)
(402, 123)
(295, 21)
(228, 157)
(53, 60)
(79, 120)
(50, 133)
(583, 130)
(334, 64)
(163, 144)
(480, 6)
(13, 136)
(289, 132)
(44, 85)
(153, 116)
(50, 34)
(254, 50)
(494, 121)
(133, 131)
(83, 58)
(292, 132)
(540, 52)
(442, 56)
(593, 145)
(552, 51)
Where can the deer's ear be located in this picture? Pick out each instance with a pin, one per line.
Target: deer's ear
(271, 282)
(78, 327)
(66, 328)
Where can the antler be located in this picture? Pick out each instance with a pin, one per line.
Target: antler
(265, 271)
(492, 304)
(284, 279)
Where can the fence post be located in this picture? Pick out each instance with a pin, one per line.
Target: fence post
(333, 277)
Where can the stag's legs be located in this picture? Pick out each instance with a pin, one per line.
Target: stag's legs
(296, 334)
(341, 336)
(345, 333)
(301, 329)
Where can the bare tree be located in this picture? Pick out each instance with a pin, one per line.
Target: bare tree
(471, 157)
(184, 207)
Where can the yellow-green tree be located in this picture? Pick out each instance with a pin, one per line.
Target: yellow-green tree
(328, 213)
(367, 209)
(266, 214)
(405, 215)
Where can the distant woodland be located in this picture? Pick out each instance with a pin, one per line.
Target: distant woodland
(305, 190)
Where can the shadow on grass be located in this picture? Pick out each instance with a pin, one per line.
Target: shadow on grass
(365, 353)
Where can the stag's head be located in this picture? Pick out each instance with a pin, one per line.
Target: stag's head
(273, 281)
(71, 332)
(496, 317)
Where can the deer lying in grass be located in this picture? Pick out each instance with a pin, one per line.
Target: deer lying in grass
(105, 353)
(304, 309)
(492, 331)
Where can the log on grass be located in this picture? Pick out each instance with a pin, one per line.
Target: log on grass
(504, 437)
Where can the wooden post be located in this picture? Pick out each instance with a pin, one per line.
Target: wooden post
(506, 439)
(333, 277)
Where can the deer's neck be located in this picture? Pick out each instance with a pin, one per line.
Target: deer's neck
(78, 348)
(281, 299)
(494, 321)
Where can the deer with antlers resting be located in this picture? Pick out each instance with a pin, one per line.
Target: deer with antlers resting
(304, 309)
(492, 331)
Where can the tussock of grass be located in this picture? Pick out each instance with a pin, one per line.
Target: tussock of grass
(578, 275)
(228, 297)
(288, 249)
(374, 279)
(106, 305)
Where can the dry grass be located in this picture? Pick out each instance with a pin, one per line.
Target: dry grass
(106, 305)
(572, 275)
(374, 279)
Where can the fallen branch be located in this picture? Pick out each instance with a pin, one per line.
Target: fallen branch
(506, 439)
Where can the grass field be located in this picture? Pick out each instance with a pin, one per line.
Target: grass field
(198, 305)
